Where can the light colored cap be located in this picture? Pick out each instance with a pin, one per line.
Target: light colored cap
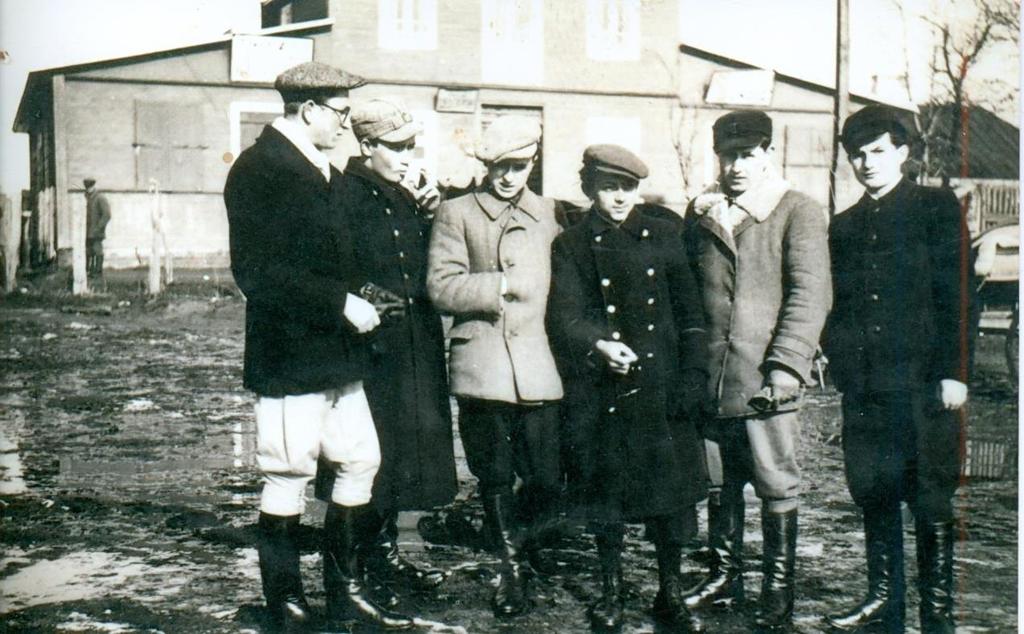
(509, 137)
(383, 119)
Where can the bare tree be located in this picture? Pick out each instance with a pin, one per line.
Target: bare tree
(961, 44)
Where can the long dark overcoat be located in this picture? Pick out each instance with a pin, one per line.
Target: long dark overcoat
(408, 385)
(635, 455)
(292, 258)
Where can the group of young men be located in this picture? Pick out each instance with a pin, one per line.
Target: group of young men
(624, 357)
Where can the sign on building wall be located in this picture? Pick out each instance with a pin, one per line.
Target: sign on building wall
(741, 87)
(457, 100)
(260, 59)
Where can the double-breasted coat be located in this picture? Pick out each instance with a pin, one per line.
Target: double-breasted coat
(499, 347)
(766, 290)
(292, 257)
(636, 455)
(407, 386)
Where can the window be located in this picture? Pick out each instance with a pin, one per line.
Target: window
(613, 30)
(425, 154)
(282, 12)
(624, 131)
(247, 119)
(512, 41)
(407, 25)
(169, 145)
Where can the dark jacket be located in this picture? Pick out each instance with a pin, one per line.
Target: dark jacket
(408, 386)
(292, 258)
(900, 267)
(97, 215)
(766, 292)
(635, 454)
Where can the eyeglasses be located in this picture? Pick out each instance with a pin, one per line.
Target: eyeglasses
(342, 114)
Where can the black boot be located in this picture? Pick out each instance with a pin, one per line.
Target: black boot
(935, 576)
(510, 597)
(705, 555)
(669, 606)
(393, 569)
(279, 569)
(723, 586)
(884, 605)
(606, 614)
(348, 531)
(775, 606)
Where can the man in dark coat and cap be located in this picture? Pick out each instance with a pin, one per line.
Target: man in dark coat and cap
(292, 256)
(627, 326)
(388, 207)
(898, 342)
(760, 253)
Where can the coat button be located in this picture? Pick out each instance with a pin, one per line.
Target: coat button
(605, 281)
(611, 410)
(387, 210)
(616, 336)
(874, 297)
(650, 301)
(650, 327)
(876, 329)
(597, 238)
(611, 308)
(376, 193)
(645, 233)
(874, 237)
(411, 301)
(401, 254)
(405, 276)
(395, 232)
(650, 355)
(650, 272)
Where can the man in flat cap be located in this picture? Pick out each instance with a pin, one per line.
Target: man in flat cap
(899, 348)
(293, 257)
(388, 203)
(97, 216)
(760, 252)
(627, 327)
(489, 265)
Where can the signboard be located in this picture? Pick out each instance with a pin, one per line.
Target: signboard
(260, 59)
(457, 100)
(741, 87)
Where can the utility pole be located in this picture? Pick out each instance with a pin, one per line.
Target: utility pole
(840, 107)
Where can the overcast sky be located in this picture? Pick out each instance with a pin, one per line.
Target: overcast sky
(889, 42)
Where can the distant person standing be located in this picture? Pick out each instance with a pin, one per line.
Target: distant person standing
(97, 215)
(900, 355)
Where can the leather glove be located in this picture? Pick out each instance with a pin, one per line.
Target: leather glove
(388, 304)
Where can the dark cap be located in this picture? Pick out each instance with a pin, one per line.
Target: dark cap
(741, 129)
(89, 182)
(871, 122)
(614, 159)
(314, 78)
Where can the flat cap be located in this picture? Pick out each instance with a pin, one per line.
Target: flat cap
(383, 119)
(509, 137)
(614, 159)
(741, 129)
(310, 77)
(871, 122)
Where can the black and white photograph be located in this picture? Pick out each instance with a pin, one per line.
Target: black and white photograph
(509, 316)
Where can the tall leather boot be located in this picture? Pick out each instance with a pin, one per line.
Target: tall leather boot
(775, 605)
(279, 570)
(348, 531)
(606, 614)
(510, 597)
(705, 555)
(669, 606)
(723, 587)
(540, 511)
(935, 576)
(389, 566)
(884, 606)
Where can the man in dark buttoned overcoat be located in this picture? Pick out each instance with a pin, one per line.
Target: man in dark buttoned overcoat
(627, 327)
(305, 359)
(760, 253)
(897, 340)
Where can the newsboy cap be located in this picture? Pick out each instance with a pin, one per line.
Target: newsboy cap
(314, 78)
(871, 122)
(509, 137)
(383, 119)
(614, 159)
(741, 129)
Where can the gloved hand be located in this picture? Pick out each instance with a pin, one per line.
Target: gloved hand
(388, 304)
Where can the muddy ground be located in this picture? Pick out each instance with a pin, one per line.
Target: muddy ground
(128, 493)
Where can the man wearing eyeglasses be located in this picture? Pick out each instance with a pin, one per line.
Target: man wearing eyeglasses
(293, 258)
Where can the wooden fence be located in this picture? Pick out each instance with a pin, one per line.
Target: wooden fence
(992, 203)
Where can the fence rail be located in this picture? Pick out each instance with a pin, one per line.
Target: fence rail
(992, 203)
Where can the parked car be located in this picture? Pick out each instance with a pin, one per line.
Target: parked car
(997, 270)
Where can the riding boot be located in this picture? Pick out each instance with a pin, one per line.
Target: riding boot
(606, 614)
(278, 550)
(348, 532)
(884, 605)
(387, 564)
(775, 606)
(723, 587)
(705, 555)
(539, 511)
(669, 606)
(510, 598)
(935, 576)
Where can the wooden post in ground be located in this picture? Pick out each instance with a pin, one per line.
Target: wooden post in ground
(841, 102)
(154, 253)
(10, 239)
(80, 277)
